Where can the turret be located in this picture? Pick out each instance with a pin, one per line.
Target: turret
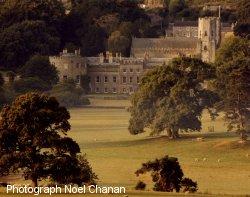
(209, 35)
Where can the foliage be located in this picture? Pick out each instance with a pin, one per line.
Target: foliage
(118, 43)
(140, 185)
(51, 12)
(172, 98)
(188, 185)
(176, 6)
(2, 92)
(232, 84)
(93, 41)
(33, 128)
(11, 76)
(40, 67)
(91, 22)
(84, 83)
(22, 40)
(68, 94)
(30, 84)
(166, 173)
(242, 27)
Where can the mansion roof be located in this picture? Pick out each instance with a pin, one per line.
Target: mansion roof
(168, 42)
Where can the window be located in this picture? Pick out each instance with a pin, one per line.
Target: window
(98, 80)
(124, 79)
(138, 70)
(77, 65)
(65, 77)
(97, 90)
(205, 48)
(130, 79)
(78, 79)
(105, 79)
(114, 79)
(114, 90)
(138, 80)
(105, 90)
(66, 66)
(205, 33)
(131, 89)
(124, 90)
(124, 70)
(131, 70)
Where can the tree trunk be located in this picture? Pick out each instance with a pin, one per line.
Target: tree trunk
(169, 132)
(34, 181)
(173, 133)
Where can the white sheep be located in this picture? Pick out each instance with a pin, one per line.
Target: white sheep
(247, 155)
(219, 160)
(204, 159)
(196, 160)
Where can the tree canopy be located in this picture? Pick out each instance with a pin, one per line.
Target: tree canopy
(232, 83)
(40, 66)
(33, 142)
(51, 12)
(167, 175)
(22, 40)
(172, 98)
(242, 27)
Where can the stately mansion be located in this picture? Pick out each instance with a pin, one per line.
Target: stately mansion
(112, 73)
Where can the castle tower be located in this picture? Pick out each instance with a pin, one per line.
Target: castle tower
(209, 35)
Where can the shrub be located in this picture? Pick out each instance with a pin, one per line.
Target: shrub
(140, 185)
(69, 95)
(30, 84)
(189, 185)
(167, 175)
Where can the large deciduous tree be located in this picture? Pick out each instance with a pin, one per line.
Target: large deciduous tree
(22, 40)
(233, 83)
(172, 98)
(33, 141)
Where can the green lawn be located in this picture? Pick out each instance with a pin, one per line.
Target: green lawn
(115, 154)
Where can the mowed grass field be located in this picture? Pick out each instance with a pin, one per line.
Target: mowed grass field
(115, 154)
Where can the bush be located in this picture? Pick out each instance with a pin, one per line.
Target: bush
(189, 185)
(167, 175)
(69, 95)
(140, 185)
(30, 84)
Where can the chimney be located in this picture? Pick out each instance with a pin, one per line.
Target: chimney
(110, 58)
(101, 58)
(65, 51)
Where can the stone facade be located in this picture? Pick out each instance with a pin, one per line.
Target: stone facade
(70, 65)
(183, 29)
(107, 74)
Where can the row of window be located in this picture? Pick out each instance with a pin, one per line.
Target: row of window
(106, 79)
(114, 90)
(130, 70)
(114, 79)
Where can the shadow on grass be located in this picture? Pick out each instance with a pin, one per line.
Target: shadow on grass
(161, 138)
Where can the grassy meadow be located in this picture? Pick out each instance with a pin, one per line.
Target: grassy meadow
(115, 154)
